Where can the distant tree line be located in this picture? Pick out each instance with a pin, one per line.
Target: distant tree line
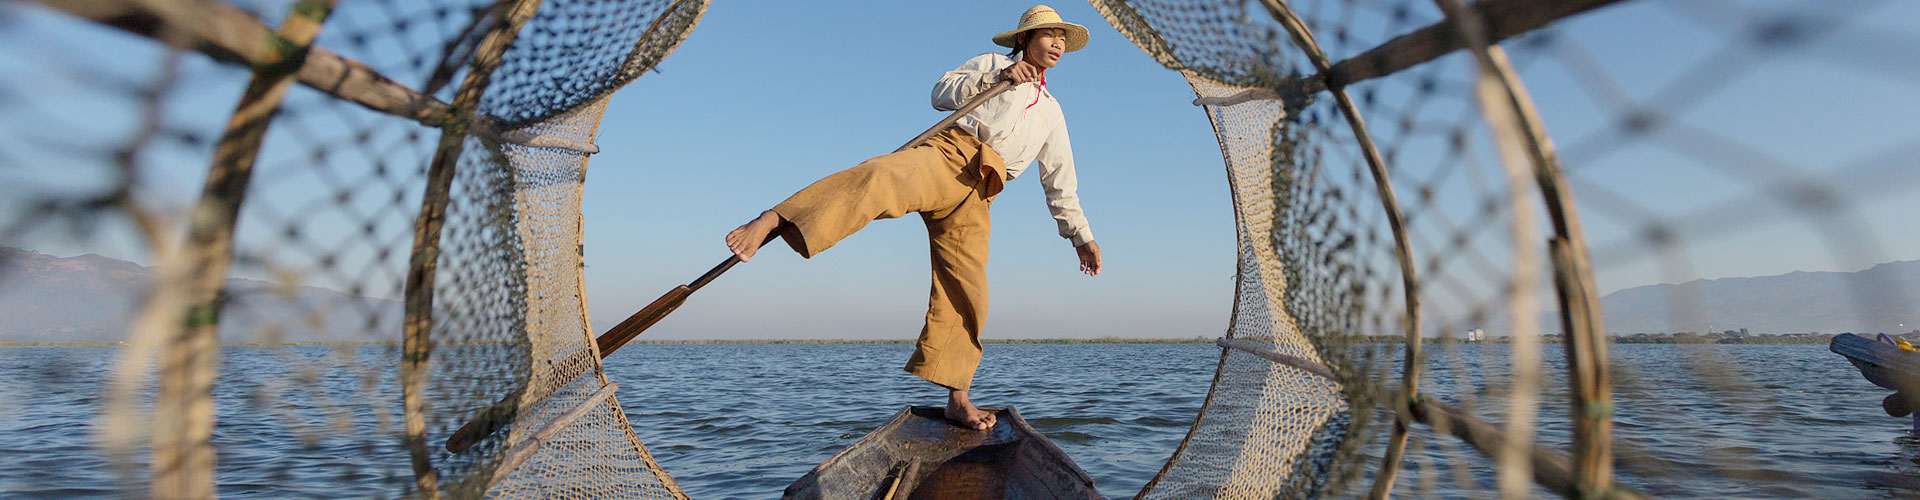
(1741, 336)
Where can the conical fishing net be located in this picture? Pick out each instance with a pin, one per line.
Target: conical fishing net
(479, 117)
(1379, 157)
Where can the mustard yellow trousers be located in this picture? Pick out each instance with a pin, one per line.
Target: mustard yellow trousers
(950, 181)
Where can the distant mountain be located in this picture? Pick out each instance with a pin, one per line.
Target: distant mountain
(1877, 299)
(90, 297)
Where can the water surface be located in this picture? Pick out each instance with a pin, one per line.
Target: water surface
(742, 421)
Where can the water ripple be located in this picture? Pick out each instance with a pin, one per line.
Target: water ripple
(741, 421)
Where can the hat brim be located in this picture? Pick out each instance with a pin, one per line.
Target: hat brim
(1076, 35)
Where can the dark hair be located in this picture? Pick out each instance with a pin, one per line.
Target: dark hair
(1019, 43)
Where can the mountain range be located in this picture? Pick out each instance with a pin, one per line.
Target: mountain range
(94, 298)
(1882, 298)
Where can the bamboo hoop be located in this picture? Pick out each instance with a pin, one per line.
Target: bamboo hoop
(228, 34)
(121, 427)
(185, 310)
(1573, 278)
(418, 326)
(1512, 457)
(1390, 204)
(1504, 19)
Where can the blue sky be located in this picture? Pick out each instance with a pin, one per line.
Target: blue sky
(767, 96)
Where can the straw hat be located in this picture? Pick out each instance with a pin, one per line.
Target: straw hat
(1041, 16)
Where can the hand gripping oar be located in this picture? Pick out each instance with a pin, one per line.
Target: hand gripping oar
(491, 419)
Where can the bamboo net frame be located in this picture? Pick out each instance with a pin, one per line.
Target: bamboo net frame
(1198, 40)
(179, 322)
(183, 459)
(1519, 132)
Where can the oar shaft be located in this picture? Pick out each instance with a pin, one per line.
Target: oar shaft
(726, 264)
(974, 102)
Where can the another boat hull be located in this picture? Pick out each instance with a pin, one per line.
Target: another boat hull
(1886, 365)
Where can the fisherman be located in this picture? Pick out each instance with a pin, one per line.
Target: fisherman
(951, 181)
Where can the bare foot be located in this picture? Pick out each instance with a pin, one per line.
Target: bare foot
(745, 240)
(964, 413)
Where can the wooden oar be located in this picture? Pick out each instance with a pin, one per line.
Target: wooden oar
(490, 419)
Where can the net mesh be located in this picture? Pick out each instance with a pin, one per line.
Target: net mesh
(514, 215)
(1305, 393)
(320, 252)
(1318, 270)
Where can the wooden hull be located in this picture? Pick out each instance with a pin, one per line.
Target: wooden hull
(919, 454)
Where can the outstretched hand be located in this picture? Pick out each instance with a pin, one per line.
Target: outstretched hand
(1089, 258)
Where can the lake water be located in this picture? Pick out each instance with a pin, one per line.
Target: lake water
(742, 421)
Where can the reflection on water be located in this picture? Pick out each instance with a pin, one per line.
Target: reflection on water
(741, 421)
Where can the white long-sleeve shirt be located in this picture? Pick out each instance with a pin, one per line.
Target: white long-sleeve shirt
(1023, 124)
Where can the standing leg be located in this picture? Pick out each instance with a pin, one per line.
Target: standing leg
(949, 350)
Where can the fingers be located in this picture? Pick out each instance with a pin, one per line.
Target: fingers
(1021, 72)
(1090, 262)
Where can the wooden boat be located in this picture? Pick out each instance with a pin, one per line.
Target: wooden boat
(1888, 364)
(920, 454)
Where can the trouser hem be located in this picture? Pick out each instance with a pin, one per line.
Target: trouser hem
(950, 382)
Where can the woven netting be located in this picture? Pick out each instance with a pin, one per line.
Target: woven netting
(121, 131)
(573, 53)
(570, 438)
(323, 233)
(1302, 397)
(1311, 268)
(1318, 265)
(511, 282)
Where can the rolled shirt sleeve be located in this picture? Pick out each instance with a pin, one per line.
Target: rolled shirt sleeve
(972, 77)
(1063, 188)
